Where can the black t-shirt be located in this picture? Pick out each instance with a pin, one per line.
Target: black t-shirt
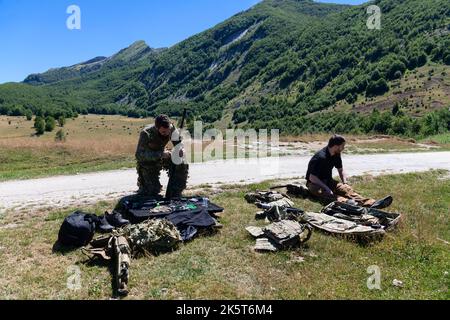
(322, 164)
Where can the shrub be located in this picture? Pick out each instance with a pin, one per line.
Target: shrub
(50, 124)
(39, 125)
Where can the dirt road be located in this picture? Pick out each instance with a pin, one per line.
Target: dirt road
(79, 190)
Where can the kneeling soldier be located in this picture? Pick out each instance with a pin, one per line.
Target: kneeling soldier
(152, 157)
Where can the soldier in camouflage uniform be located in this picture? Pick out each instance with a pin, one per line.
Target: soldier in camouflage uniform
(152, 157)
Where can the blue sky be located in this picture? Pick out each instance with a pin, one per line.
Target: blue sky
(34, 36)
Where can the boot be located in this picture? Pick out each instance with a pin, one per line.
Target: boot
(103, 226)
(382, 203)
(115, 219)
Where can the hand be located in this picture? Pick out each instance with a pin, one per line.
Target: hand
(166, 155)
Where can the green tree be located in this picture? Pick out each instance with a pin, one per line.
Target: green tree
(383, 123)
(29, 115)
(39, 125)
(396, 109)
(376, 88)
(351, 98)
(401, 125)
(436, 122)
(393, 68)
(61, 121)
(398, 74)
(50, 124)
(446, 59)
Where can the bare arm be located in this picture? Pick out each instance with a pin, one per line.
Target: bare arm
(320, 183)
(342, 175)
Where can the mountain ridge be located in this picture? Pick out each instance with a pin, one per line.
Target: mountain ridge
(138, 50)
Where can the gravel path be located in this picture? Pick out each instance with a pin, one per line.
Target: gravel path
(82, 189)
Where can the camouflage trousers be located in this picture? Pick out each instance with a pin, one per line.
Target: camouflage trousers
(342, 193)
(149, 174)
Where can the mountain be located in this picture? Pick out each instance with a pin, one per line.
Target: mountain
(138, 51)
(60, 74)
(292, 64)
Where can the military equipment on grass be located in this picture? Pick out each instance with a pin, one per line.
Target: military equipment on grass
(78, 229)
(264, 244)
(277, 213)
(152, 236)
(122, 259)
(115, 219)
(285, 231)
(295, 189)
(288, 233)
(280, 235)
(365, 216)
(383, 203)
(115, 249)
(263, 196)
(362, 224)
(268, 199)
(337, 226)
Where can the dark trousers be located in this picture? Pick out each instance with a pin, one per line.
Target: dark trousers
(342, 193)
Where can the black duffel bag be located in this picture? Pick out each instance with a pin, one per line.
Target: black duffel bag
(78, 229)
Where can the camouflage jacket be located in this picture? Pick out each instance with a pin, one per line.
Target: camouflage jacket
(151, 144)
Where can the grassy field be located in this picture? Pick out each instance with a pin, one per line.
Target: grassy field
(98, 143)
(224, 266)
(93, 143)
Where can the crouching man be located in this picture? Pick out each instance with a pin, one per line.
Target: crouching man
(321, 184)
(152, 157)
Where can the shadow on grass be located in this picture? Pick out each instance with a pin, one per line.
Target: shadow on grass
(62, 249)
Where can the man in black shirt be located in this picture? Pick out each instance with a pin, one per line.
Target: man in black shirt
(320, 180)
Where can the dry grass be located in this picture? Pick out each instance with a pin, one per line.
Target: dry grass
(93, 143)
(87, 134)
(224, 266)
